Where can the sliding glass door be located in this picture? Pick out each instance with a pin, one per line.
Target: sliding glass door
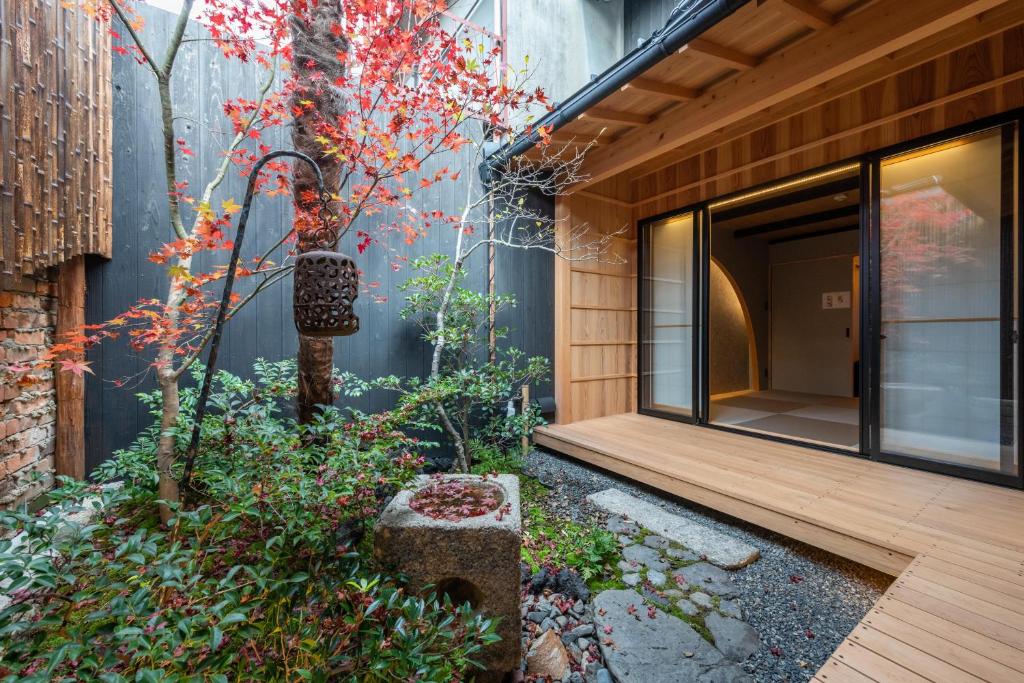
(667, 316)
(948, 304)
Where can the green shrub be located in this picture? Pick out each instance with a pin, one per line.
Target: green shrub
(258, 580)
(558, 543)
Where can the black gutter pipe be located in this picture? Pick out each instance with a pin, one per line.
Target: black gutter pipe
(676, 34)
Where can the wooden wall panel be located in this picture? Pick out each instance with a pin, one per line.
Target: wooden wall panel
(55, 127)
(976, 80)
(595, 313)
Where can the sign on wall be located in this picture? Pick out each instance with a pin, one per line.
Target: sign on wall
(835, 300)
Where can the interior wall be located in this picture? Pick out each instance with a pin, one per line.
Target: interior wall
(746, 261)
(730, 364)
(811, 346)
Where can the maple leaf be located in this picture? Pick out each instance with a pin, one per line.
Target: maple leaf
(229, 206)
(78, 367)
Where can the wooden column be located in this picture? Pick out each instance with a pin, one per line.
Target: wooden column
(69, 459)
(563, 313)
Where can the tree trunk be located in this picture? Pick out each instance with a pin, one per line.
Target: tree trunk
(316, 66)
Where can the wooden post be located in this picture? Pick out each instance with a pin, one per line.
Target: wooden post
(525, 443)
(69, 458)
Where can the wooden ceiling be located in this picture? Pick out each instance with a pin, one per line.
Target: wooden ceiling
(768, 57)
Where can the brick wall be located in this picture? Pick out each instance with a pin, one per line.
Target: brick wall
(28, 311)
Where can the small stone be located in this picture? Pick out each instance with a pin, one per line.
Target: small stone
(631, 579)
(656, 597)
(709, 578)
(674, 593)
(603, 676)
(688, 608)
(730, 608)
(547, 657)
(547, 625)
(618, 525)
(561, 621)
(539, 581)
(554, 612)
(682, 554)
(537, 617)
(584, 643)
(656, 542)
(656, 578)
(575, 653)
(701, 599)
(649, 557)
(628, 566)
(576, 677)
(571, 585)
(578, 608)
(736, 639)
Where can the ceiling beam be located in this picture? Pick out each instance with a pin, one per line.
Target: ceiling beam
(859, 39)
(805, 11)
(726, 56)
(816, 233)
(806, 194)
(612, 116)
(668, 90)
(797, 222)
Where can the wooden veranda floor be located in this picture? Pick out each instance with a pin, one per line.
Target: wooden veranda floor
(956, 609)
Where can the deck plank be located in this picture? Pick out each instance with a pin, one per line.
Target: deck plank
(956, 609)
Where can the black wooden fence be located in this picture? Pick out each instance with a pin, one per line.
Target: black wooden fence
(385, 345)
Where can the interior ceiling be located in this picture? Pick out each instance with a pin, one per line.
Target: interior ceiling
(805, 211)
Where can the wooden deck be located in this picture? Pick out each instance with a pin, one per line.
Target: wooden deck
(956, 609)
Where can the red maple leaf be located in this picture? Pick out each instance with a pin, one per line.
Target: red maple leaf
(78, 367)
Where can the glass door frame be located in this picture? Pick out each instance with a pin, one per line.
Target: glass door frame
(696, 314)
(870, 307)
(871, 294)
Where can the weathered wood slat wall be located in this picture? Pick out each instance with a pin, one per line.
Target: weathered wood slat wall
(385, 344)
(55, 126)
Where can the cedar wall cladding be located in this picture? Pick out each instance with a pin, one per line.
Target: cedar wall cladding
(27, 415)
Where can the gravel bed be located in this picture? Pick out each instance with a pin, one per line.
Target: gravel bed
(802, 600)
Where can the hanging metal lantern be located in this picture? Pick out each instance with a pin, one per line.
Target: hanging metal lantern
(326, 287)
(326, 284)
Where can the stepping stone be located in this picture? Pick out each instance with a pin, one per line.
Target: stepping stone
(726, 674)
(631, 579)
(618, 525)
(730, 608)
(682, 554)
(645, 650)
(656, 578)
(736, 639)
(707, 578)
(649, 557)
(701, 600)
(688, 608)
(656, 542)
(720, 549)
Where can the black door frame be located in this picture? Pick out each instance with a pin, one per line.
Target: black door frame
(870, 294)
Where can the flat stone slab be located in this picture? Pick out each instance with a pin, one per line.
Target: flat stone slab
(708, 578)
(639, 649)
(719, 549)
(736, 639)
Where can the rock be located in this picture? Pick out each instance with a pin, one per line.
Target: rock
(736, 639)
(631, 579)
(730, 608)
(649, 557)
(618, 525)
(708, 578)
(576, 677)
(579, 632)
(674, 593)
(584, 643)
(571, 585)
(726, 674)
(628, 566)
(604, 676)
(656, 597)
(539, 581)
(547, 624)
(688, 608)
(536, 616)
(578, 608)
(656, 578)
(656, 542)
(701, 599)
(682, 554)
(554, 612)
(575, 653)
(561, 621)
(471, 559)
(547, 657)
(720, 549)
(524, 572)
(640, 649)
